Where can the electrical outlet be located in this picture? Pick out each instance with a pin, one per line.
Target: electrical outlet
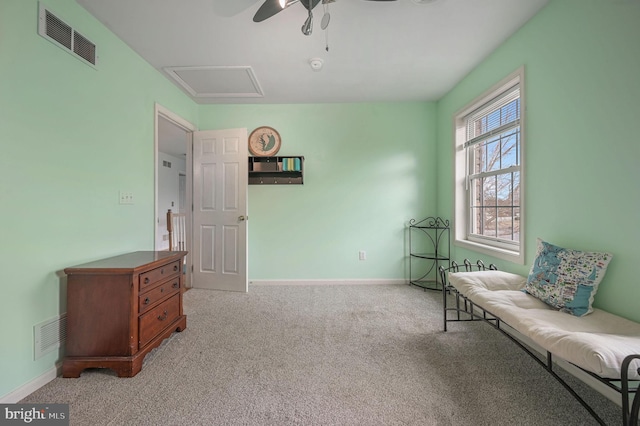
(126, 197)
(362, 255)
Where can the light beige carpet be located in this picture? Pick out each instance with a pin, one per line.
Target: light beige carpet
(326, 355)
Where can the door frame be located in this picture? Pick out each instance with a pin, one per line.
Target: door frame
(189, 128)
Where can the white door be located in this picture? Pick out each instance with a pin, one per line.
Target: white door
(220, 178)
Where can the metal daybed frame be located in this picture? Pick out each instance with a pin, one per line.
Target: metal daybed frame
(466, 310)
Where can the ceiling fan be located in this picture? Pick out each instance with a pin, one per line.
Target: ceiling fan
(271, 7)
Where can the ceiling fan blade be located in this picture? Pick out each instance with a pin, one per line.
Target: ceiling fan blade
(270, 8)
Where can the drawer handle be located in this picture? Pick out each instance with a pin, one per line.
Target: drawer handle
(146, 301)
(175, 268)
(162, 271)
(163, 316)
(161, 289)
(176, 285)
(146, 280)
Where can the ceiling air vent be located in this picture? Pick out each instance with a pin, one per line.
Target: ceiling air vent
(64, 36)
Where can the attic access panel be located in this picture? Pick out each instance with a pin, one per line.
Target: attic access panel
(217, 81)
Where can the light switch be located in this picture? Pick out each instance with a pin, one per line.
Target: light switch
(126, 197)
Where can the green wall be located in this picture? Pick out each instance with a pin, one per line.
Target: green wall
(581, 61)
(71, 138)
(369, 168)
(74, 136)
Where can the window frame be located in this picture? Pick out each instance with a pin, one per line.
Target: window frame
(511, 251)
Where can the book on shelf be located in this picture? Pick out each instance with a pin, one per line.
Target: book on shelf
(291, 164)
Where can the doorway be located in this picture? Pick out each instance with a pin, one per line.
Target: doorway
(216, 226)
(173, 172)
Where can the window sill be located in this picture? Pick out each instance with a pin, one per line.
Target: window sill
(500, 253)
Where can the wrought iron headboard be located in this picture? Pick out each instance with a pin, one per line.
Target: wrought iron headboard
(468, 267)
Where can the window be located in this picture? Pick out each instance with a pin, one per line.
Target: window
(489, 179)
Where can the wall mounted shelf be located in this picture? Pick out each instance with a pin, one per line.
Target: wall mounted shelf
(276, 170)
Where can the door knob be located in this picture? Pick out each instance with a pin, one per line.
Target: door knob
(242, 218)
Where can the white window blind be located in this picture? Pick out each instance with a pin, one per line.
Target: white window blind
(492, 119)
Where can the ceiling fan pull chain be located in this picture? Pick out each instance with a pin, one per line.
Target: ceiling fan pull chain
(326, 38)
(325, 24)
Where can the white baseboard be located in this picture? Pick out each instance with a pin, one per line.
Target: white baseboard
(359, 281)
(32, 386)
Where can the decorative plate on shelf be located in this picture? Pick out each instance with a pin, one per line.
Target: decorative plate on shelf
(264, 142)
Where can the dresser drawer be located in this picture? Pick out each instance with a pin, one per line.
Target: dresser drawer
(149, 298)
(158, 318)
(154, 276)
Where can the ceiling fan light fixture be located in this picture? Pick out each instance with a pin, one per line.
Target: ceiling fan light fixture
(282, 3)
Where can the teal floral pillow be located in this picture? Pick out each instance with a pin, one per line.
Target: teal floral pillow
(566, 279)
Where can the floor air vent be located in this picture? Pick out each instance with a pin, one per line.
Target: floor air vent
(64, 36)
(49, 335)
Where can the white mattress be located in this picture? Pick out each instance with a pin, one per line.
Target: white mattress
(597, 342)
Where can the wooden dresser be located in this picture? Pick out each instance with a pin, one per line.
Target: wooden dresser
(120, 308)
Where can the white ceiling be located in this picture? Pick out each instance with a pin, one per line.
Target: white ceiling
(378, 51)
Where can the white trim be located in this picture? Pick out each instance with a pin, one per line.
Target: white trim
(500, 253)
(175, 118)
(460, 201)
(488, 95)
(358, 281)
(259, 93)
(32, 386)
